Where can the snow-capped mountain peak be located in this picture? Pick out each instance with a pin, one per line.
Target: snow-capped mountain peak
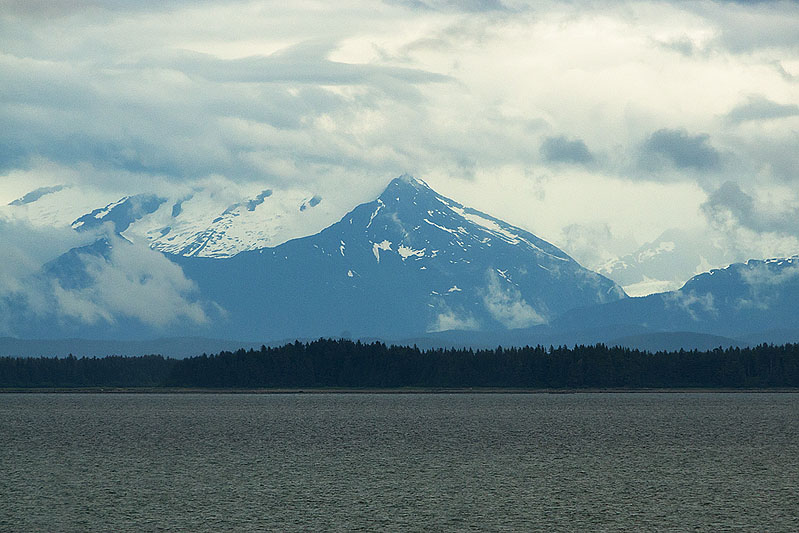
(121, 214)
(409, 262)
(409, 208)
(468, 269)
(207, 223)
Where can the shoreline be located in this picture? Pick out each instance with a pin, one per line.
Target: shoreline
(409, 390)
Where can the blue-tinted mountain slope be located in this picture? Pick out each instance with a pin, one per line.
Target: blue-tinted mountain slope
(736, 301)
(410, 262)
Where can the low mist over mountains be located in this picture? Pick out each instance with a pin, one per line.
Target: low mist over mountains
(740, 300)
(667, 262)
(408, 263)
(203, 222)
(410, 266)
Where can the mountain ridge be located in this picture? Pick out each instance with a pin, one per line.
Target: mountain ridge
(409, 262)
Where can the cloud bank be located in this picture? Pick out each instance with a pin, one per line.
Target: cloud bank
(133, 281)
(128, 281)
(620, 119)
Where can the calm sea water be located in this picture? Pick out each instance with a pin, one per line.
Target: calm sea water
(399, 462)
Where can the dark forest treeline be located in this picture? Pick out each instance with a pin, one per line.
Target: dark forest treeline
(112, 371)
(343, 363)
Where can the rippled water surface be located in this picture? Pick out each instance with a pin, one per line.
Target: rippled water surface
(399, 462)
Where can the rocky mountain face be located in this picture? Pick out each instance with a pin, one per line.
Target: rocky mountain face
(744, 300)
(667, 262)
(202, 221)
(408, 263)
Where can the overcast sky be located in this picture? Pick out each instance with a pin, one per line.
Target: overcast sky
(594, 124)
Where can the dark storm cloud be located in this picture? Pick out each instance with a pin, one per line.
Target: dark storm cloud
(729, 206)
(680, 149)
(758, 107)
(564, 150)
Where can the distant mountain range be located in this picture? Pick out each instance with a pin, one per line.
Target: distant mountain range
(739, 301)
(408, 263)
(202, 222)
(411, 266)
(667, 262)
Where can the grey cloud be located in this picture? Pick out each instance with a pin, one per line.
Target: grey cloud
(787, 76)
(134, 281)
(128, 108)
(683, 46)
(729, 199)
(745, 26)
(505, 304)
(758, 107)
(63, 8)
(730, 207)
(767, 153)
(680, 149)
(468, 6)
(564, 150)
(303, 63)
(143, 117)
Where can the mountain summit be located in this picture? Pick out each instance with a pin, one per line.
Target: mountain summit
(410, 262)
(755, 300)
(406, 264)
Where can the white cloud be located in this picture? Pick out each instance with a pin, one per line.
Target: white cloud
(691, 302)
(764, 284)
(447, 320)
(25, 249)
(505, 304)
(134, 281)
(339, 98)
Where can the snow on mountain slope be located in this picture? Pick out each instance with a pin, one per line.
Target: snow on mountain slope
(55, 206)
(667, 262)
(191, 226)
(740, 299)
(202, 221)
(121, 214)
(409, 262)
